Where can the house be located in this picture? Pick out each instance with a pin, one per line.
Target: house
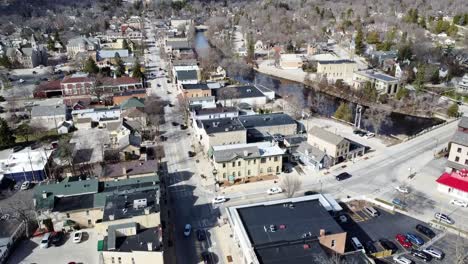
(201, 102)
(234, 95)
(48, 89)
(129, 169)
(291, 61)
(65, 127)
(77, 87)
(292, 230)
(78, 202)
(267, 125)
(218, 75)
(214, 113)
(48, 116)
(313, 157)
(241, 161)
(120, 97)
(25, 165)
(110, 54)
(383, 83)
(196, 90)
(454, 184)
(337, 69)
(110, 86)
(458, 148)
(132, 103)
(135, 115)
(175, 48)
(81, 44)
(221, 131)
(177, 22)
(462, 86)
(335, 146)
(129, 244)
(186, 75)
(28, 57)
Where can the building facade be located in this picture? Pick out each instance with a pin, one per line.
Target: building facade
(337, 69)
(383, 83)
(335, 146)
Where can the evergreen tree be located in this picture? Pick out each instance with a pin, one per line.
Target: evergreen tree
(119, 65)
(370, 92)
(373, 37)
(359, 42)
(6, 134)
(344, 113)
(126, 46)
(136, 72)
(50, 44)
(452, 111)
(90, 66)
(435, 79)
(405, 52)
(402, 93)
(5, 62)
(420, 78)
(250, 48)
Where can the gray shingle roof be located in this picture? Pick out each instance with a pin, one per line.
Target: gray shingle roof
(186, 75)
(460, 138)
(48, 110)
(326, 135)
(463, 122)
(311, 151)
(275, 119)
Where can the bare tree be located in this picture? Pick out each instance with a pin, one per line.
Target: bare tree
(376, 118)
(23, 211)
(290, 184)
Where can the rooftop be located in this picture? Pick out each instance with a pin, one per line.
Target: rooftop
(132, 103)
(76, 79)
(107, 54)
(137, 242)
(377, 75)
(455, 180)
(220, 125)
(198, 86)
(131, 168)
(460, 138)
(217, 110)
(225, 153)
(24, 160)
(48, 110)
(127, 205)
(236, 92)
(178, 44)
(326, 135)
(184, 75)
(124, 80)
(463, 122)
(335, 61)
(275, 119)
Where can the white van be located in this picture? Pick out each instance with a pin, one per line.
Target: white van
(371, 210)
(436, 253)
(356, 243)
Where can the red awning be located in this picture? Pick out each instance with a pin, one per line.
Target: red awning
(453, 181)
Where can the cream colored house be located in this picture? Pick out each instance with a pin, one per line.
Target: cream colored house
(291, 61)
(221, 131)
(337, 69)
(335, 146)
(241, 161)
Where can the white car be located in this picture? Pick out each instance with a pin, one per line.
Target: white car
(402, 189)
(444, 218)
(187, 230)
(77, 236)
(402, 260)
(459, 203)
(218, 199)
(274, 190)
(25, 185)
(370, 135)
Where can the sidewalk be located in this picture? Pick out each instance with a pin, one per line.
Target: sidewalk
(229, 252)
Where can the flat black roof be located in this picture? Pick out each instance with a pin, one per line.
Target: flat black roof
(237, 92)
(138, 242)
(297, 220)
(71, 203)
(201, 86)
(121, 205)
(216, 110)
(302, 252)
(275, 119)
(219, 125)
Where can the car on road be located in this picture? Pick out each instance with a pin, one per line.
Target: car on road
(370, 248)
(342, 176)
(359, 132)
(57, 238)
(402, 260)
(307, 193)
(219, 199)
(388, 245)
(77, 236)
(25, 185)
(415, 239)
(274, 190)
(425, 231)
(187, 230)
(434, 252)
(206, 257)
(459, 203)
(201, 235)
(45, 241)
(191, 154)
(398, 203)
(174, 123)
(444, 218)
(370, 135)
(403, 241)
(402, 189)
(421, 255)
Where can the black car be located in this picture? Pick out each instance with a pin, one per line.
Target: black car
(370, 248)
(175, 123)
(425, 231)
(359, 132)
(206, 257)
(57, 238)
(201, 235)
(342, 176)
(191, 154)
(310, 193)
(422, 255)
(388, 245)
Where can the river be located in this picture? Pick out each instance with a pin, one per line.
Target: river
(397, 124)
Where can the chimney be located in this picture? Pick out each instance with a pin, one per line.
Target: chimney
(246, 153)
(322, 232)
(150, 246)
(124, 171)
(111, 217)
(44, 194)
(147, 211)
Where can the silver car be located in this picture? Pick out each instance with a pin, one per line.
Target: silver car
(444, 218)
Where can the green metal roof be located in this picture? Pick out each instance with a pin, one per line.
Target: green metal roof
(132, 103)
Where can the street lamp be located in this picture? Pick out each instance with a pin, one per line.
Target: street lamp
(215, 179)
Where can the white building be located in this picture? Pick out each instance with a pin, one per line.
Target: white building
(202, 102)
(383, 83)
(463, 84)
(236, 95)
(97, 114)
(25, 165)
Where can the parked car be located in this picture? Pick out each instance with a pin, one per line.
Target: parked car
(402, 260)
(343, 218)
(77, 236)
(403, 241)
(187, 230)
(434, 252)
(370, 248)
(444, 218)
(398, 203)
(206, 257)
(370, 135)
(342, 176)
(388, 245)
(415, 239)
(425, 231)
(57, 238)
(402, 189)
(459, 203)
(175, 123)
(45, 241)
(191, 154)
(274, 190)
(219, 199)
(25, 185)
(421, 255)
(359, 132)
(307, 193)
(201, 235)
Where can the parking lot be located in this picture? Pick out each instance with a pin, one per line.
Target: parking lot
(366, 228)
(29, 251)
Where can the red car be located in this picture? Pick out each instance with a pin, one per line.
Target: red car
(403, 241)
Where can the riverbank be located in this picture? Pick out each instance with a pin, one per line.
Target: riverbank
(298, 75)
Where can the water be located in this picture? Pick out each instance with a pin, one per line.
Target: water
(324, 104)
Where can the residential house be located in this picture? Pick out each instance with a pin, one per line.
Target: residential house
(235, 95)
(186, 75)
(65, 127)
(176, 48)
(25, 165)
(28, 57)
(177, 22)
(333, 145)
(312, 156)
(267, 125)
(116, 44)
(120, 97)
(129, 169)
(110, 54)
(218, 75)
(241, 161)
(221, 131)
(337, 69)
(291, 61)
(383, 83)
(81, 44)
(135, 115)
(196, 90)
(48, 116)
(110, 86)
(130, 244)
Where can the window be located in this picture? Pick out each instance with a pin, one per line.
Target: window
(262, 160)
(239, 173)
(275, 159)
(233, 164)
(87, 212)
(248, 162)
(466, 162)
(333, 243)
(457, 159)
(133, 261)
(119, 260)
(68, 215)
(269, 169)
(224, 175)
(248, 172)
(261, 170)
(224, 165)
(269, 159)
(255, 161)
(89, 222)
(459, 150)
(113, 260)
(238, 163)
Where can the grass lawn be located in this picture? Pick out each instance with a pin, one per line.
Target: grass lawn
(49, 134)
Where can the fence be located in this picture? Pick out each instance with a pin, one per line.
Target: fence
(17, 235)
(431, 128)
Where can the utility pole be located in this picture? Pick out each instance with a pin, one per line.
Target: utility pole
(358, 116)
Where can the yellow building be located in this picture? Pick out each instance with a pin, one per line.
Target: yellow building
(291, 61)
(337, 69)
(335, 146)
